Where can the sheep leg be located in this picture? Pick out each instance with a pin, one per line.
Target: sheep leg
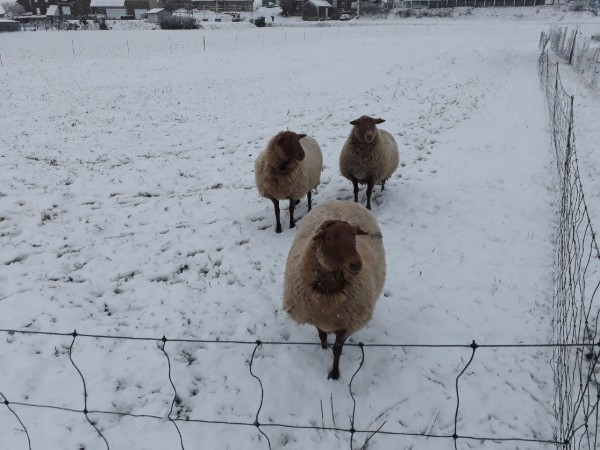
(355, 186)
(292, 206)
(276, 204)
(309, 197)
(369, 192)
(383, 185)
(340, 338)
(323, 337)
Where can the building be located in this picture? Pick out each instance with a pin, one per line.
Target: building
(223, 5)
(155, 15)
(58, 12)
(316, 10)
(116, 9)
(9, 25)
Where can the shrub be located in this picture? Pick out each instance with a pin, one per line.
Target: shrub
(178, 23)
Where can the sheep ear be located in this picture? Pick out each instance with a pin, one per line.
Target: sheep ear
(360, 231)
(300, 136)
(321, 230)
(379, 120)
(354, 122)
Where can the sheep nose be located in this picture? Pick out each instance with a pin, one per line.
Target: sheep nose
(355, 267)
(369, 138)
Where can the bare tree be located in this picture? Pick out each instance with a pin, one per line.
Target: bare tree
(12, 7)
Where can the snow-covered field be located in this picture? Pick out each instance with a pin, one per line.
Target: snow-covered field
(128, 208)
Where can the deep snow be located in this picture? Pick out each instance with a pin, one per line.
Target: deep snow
(128, 208)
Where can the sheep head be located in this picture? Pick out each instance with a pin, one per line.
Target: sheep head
(289, 145)
(365, 129)
(336, 242)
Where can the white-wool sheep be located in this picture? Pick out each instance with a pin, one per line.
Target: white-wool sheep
(335, 272)
(369, 156)
(288, 168)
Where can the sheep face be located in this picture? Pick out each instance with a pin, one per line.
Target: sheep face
(365, 128)
(337, 246)
(289, 144)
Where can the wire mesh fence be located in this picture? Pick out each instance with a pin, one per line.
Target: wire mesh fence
(582, 52)
(355, 436)
(577, 263)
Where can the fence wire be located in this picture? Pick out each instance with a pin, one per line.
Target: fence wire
(582, 52)
(577, 277)
(262, 427)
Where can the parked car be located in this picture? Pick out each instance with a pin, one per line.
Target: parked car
(345, 17)
(260, 21)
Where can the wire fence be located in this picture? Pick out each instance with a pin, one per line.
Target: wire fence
(577, 277)
(582, 52)
(355, 436)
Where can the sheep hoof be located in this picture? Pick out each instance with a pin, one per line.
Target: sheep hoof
(333, 375)
(278, 229)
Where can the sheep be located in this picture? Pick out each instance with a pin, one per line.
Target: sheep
(369, 155)
(335, 272)
(288, 168)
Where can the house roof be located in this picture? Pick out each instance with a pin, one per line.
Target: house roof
(107, 3)
(322, 3)
(155, 10)
(52, 10)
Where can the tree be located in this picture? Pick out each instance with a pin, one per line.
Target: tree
(12, 7)
(287, 7)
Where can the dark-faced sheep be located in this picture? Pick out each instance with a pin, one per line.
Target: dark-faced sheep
(288, 169)
(335, 272)
(369, 156)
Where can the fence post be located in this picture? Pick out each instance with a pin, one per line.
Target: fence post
(555, 102)
(569, 132)
(204, 42)
(573, 47)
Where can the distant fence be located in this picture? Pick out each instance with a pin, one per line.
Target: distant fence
(577, 278)
(469, 3)
(581, 52)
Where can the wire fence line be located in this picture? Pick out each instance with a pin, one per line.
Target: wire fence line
(582, 52)
(577, 264)
(262, 428)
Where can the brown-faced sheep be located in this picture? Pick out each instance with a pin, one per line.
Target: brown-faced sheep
(369, 156)
(288, 168)
(335, 272)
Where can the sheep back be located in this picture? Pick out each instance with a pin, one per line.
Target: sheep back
(376, 161)
(294, 184)
(351, 308)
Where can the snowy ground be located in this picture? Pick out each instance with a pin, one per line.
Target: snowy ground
(128, 208)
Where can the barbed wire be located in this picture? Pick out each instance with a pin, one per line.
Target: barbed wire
(577, 264)
(456, 436)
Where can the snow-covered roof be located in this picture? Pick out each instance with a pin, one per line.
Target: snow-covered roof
(66, 10)
(1, 10)
(107, 3)
(155, 10)
(320, 3)
(52, 10)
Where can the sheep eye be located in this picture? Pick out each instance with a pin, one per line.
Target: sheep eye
(328, 238)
